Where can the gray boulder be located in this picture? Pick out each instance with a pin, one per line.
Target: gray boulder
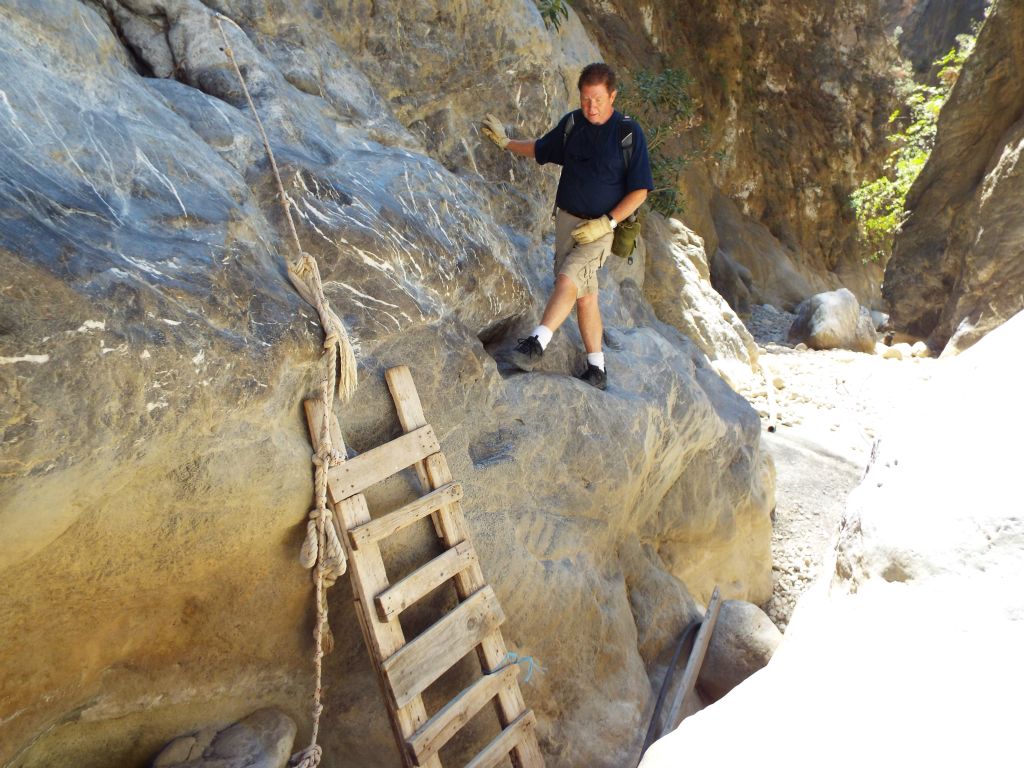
(752, 266)
(264, 739)
(833, 320)
(742, 643)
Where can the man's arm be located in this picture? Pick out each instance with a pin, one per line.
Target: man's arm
(627, 205)
(524, 147)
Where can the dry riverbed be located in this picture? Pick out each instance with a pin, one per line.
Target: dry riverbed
(829, 407)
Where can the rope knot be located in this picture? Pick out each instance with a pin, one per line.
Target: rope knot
(307, 758)
(305, 265)
(310, 551)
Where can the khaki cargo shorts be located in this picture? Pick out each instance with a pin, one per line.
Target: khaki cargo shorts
(579, 263)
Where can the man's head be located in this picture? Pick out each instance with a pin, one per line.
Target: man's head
(597, 92)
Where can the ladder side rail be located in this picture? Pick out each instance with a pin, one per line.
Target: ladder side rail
(368, 578)
(492, 651)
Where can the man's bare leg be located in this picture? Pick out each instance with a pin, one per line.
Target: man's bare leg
(560, 304)
(588, 315)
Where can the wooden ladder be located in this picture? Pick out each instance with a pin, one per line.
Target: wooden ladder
(406, 669)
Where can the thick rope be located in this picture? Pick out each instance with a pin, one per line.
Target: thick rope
(321, 547)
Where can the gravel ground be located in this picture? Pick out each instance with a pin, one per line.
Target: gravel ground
(829, 406)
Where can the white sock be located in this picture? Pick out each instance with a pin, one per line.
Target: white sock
(543, 334)
(596, 358)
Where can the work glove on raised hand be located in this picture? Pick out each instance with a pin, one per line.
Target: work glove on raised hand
(492, 128)
(591, 230)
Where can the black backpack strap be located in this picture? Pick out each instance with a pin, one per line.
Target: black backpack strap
(569, 125)
(626, 139)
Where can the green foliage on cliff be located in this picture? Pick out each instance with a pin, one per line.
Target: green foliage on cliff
(662, 103)
(553, 12)
(880, 205)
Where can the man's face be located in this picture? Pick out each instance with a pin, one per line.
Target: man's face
(597, 103)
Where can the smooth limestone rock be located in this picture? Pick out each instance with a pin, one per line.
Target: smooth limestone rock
(743, 642)
(956, 268)
(677, 282)
(900, 351)
(833, 320)
(749, 255)
(930, 526)
(153, 359)
(264, 739)
(733, 282)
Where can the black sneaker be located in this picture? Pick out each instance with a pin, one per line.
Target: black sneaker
(527, 353)
(595, 377)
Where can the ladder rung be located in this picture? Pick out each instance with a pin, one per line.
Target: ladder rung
(358, 474)
(448, 721)
(504, 742)
(418, 664)
(421, 581)
(403, 517)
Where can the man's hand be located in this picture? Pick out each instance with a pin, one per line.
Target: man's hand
(492, 128)
(591, 230)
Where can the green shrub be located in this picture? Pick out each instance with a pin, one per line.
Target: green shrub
(553, 12)
(662, 104)
(880, 205)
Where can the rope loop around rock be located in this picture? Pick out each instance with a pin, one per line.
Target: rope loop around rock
(307, 758)
(321, 547)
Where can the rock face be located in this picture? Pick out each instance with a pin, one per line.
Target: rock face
(795, 99)
(833, 320)
(153, 359)
(956, 268)
(910, 546)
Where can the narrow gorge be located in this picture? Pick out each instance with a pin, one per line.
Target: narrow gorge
(155, 477)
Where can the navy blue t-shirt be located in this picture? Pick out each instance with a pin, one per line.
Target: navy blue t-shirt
(594, 177)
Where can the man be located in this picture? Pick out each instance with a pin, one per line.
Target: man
(596, 191)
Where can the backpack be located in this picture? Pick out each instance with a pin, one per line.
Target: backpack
(626, 233)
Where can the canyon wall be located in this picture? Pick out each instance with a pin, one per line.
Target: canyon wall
(957, 266)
